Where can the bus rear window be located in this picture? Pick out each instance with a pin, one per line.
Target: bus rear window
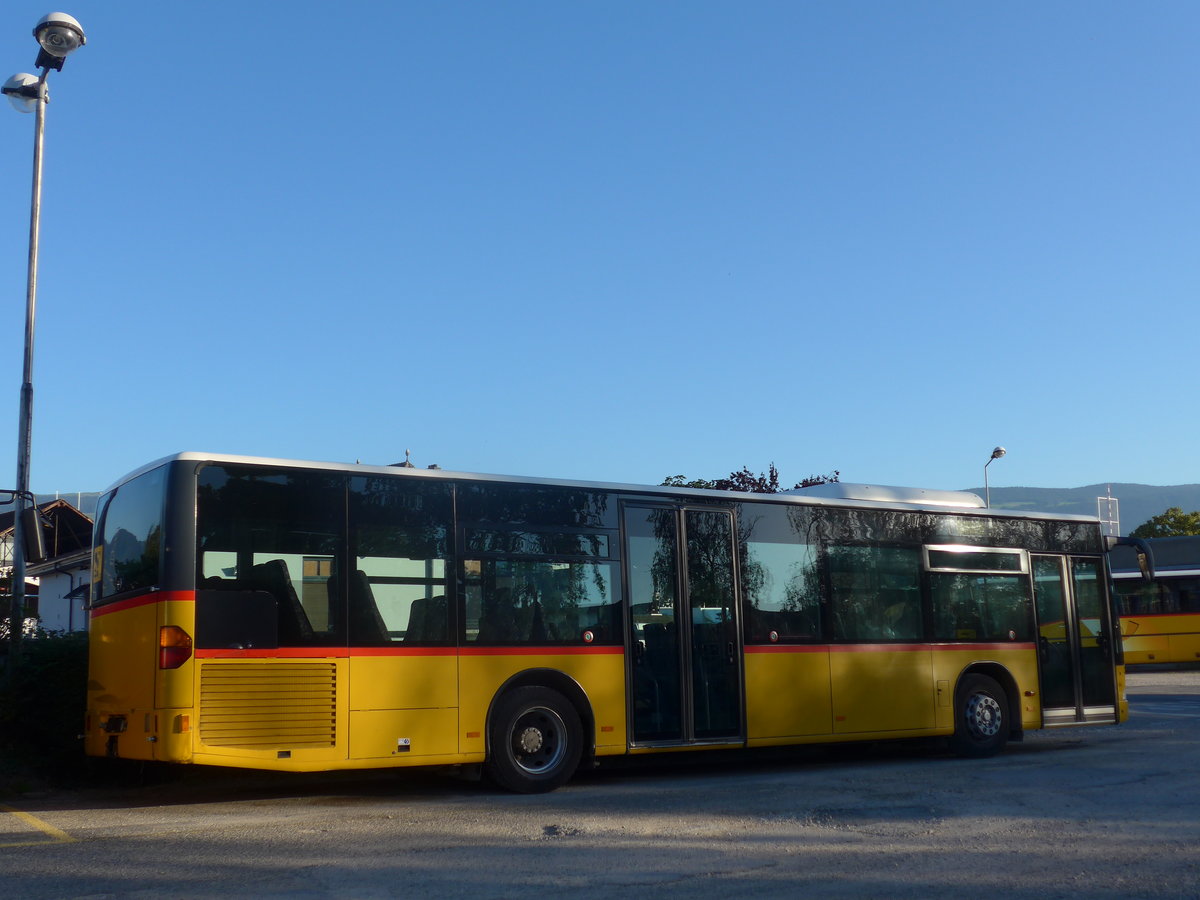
(131, 536)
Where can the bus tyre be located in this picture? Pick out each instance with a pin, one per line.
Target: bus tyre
(535, 741)
(981, 717)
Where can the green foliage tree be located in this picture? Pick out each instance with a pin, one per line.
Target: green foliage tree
(748, 482)
(1172, 523)
(41, 709)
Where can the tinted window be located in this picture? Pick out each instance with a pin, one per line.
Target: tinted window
(844, 526)
(981, 601)
(525, 601)
(974, 607)
(400, 536)
(275, 538)
(131, 536)
(781, 583)
(1165, 595)
(540, 566)
(875, 593)
(535, 507)
(965, 560)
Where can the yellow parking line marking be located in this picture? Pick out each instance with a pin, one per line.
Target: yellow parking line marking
(57, 835)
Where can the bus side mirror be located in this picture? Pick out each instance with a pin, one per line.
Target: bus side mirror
(33, 539)
(1143, 551)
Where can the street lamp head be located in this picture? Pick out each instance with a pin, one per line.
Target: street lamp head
(59, 35)
(22, 92)
(998, 452)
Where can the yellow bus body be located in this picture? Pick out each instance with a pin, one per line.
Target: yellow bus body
(369, 709)
(1161, 638)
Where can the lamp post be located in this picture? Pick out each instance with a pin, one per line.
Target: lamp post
(58, 35)
(987, 494)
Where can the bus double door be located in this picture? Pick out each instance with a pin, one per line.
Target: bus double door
(1075, 640)
(685, 659)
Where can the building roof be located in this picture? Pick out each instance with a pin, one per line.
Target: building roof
(67, 530)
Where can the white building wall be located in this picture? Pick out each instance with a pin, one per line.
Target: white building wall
(56, 612)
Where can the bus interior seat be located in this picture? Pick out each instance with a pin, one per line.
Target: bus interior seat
(272, 576)
(366, 624)
(427, 619)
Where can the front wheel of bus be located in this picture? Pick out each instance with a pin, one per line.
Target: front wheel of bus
(981, 718)
(535, 741)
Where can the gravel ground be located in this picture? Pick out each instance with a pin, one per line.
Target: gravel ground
(1102, 812)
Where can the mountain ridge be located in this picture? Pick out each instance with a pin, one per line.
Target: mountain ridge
(1137, 503)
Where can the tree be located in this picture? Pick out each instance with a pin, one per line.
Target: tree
(1172, 523)
(746, 481)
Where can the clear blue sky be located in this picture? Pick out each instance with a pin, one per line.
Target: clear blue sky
(614, 240)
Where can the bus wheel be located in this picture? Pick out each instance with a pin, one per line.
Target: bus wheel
(981, 717)
(535, 741)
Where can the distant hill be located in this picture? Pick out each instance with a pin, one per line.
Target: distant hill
(1137, 502)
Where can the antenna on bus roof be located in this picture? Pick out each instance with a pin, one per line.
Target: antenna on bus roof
(407, 464)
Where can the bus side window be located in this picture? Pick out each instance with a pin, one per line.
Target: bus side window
(875, 593)
(400, 538)
(781, 590)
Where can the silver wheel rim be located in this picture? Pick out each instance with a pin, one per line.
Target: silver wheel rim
(983, 716)
(538, 740)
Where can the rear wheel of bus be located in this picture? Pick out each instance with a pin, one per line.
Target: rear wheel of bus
(535, 741)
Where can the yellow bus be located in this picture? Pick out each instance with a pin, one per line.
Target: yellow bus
(307, 616)
(1160, 618)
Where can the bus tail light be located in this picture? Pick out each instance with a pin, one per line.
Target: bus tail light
(174, 647)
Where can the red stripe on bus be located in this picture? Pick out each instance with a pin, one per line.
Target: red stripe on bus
(878, 648)
(885, 648)
(787, 648)
(145, 600)
(541, 650)
(988, 645)
(403, 651)
(342, 652)
(276, 653)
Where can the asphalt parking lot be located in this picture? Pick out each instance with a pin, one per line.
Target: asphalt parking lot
(1108, 812)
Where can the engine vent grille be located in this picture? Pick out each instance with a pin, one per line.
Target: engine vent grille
(261, 706)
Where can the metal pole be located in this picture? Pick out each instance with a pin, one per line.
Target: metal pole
(24, 440)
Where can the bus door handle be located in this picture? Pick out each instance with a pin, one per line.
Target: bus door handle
(729, 652)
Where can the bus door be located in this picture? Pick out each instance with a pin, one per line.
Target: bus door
(1075, 641)
(685, 649)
